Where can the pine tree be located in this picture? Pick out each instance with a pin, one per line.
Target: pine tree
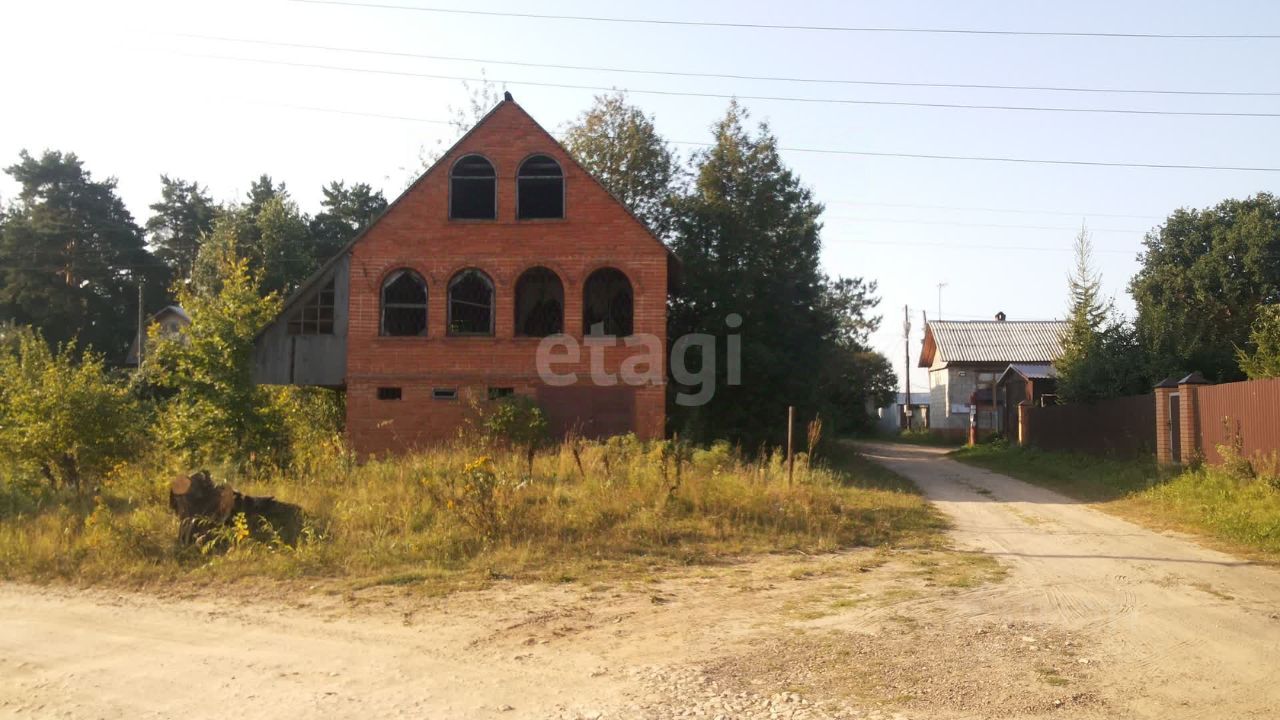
(1092, 365)
(347, 211)
(71, 257)
(748, 236)
(184, 215)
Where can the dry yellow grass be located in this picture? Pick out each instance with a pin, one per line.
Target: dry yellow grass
(460, 515)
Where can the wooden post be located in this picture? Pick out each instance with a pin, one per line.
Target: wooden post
(791, 458)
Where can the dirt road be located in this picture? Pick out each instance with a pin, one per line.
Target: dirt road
(1187, 631)
(1097, 618)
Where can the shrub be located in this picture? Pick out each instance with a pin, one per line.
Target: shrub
(61, 418)
(216, 413)
(515, 421)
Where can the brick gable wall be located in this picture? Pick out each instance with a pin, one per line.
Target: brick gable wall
(417, 233)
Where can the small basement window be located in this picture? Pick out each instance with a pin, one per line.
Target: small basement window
(390, 393)
(540, 189)
(315, 317)
(497, 393)
(473, 190)
(444, 393)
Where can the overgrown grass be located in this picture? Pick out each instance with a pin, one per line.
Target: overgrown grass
(1083, 477)
(922, 437)
(1223, 503)
(455, 515)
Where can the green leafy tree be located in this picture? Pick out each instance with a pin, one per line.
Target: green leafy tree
(1262, 360)
(1204, 275)
(619, 145)
(347, 211)
(62, 417)
(274, 236)
(748, 236)
(856, 380)
(184, 215)
(216, 412)
(71, 256)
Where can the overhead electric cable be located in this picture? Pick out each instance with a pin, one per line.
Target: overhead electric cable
(812, 28)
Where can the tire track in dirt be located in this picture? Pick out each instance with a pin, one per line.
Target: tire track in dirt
(1174, 649)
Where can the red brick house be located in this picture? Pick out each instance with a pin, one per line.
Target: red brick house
(506, 242)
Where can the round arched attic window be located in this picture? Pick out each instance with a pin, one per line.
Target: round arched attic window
(473, 189)
(540, 189)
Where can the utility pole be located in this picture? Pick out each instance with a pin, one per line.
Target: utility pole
(940, 286)
(142, 322)
(906, 347)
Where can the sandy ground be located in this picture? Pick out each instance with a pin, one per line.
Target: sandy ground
(1096, 618)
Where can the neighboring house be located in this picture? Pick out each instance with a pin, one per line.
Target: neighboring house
(446, 298)
(1036, 383)
(893, 418)
(966, 358)
(172, 321)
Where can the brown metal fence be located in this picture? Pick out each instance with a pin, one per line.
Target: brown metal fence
(1249, 411)
(1124, 427)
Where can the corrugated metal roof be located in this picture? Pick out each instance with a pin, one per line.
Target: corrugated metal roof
(1032, 371)
(917, 398)
(994, 341)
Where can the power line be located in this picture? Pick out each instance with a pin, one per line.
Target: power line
(868, 153)
(812, 28)
(730, 96)
(1058, 228)
(970, 246)
(733, 76)
(1018, 211)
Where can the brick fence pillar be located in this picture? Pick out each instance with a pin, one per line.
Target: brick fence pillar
(1189, 415)
(1164, 448)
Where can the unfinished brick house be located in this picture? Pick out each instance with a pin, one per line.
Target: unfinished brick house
(445, 298)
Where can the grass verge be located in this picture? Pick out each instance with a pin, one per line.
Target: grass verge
(920, 437)
(455, 516)
(1234, 508)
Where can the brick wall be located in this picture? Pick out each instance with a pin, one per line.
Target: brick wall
(417, 233)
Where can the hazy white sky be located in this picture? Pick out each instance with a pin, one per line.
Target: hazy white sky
(128, 87)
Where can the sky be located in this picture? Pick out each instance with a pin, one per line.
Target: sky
(138, 88)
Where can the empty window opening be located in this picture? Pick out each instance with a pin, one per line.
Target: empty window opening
(607, 304)
(314, 317)
(445, 393)
(404, 304)
(470, 304)
(473, 190)
(539, 303)
(497, 393)
(389, 393)
(540, 189)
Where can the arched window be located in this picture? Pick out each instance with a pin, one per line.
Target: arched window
(540, 189)
(404, 304)
(471, 304)
(473, 190)
(607, 303)
(539, 303)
